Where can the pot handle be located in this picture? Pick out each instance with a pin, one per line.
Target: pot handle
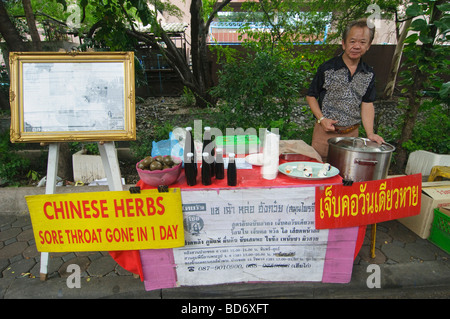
(356, 139)
(361, 161)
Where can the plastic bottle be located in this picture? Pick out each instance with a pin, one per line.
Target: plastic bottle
(190, 148)
(206, 137)
(189, 171)
(208, 146)
(219, 167)
(231, 171)
(206, 169)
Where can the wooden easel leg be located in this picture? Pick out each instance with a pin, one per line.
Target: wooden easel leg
(373, 239)
(50, 188)
(44, 265)
(111, 165)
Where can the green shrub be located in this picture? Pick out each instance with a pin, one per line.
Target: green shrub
(430, 132)
(12, 165)
(259, 90)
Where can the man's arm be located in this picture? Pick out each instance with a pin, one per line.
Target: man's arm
(368, 117)
(327, 124)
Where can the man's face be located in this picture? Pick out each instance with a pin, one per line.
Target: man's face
(357, 42)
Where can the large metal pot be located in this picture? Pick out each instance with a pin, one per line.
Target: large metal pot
(359, 159)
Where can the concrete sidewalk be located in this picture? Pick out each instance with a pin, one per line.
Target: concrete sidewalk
(410, 267)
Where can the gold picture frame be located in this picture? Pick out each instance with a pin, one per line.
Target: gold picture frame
(79, 96)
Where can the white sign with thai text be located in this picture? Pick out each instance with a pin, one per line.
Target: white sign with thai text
(250, 235)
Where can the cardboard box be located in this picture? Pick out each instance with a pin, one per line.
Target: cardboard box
(432, 197)
(87, 168)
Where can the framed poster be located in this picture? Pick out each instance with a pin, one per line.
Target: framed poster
(61, 97)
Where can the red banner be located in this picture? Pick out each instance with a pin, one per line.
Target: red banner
(366, 203)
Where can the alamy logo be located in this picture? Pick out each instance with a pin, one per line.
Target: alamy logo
(74, 280)
(374, 20)
(74, 19)
(374, 279)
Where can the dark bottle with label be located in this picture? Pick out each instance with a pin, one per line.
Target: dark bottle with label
(231, 170)
(208, 146)
(190, 148)
(206, 169)
(219, 166)
(189, 171)
(206, 138)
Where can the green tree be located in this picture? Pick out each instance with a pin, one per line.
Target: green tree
(114, 24)
(116, 27)
(426, 62)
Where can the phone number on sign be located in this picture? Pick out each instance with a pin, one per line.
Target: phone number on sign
(218, 267)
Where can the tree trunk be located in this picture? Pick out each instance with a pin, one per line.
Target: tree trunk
(395, 64)
(65, 167)
(13, 42)
(414, 103)
(31, 22)
(4, 101)
(198, 46)
(198, 77)
(414, 96)
(9, 32)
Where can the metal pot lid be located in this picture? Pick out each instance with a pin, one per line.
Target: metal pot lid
(360, 144)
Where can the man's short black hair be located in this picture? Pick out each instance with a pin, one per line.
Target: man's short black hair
(362, 23)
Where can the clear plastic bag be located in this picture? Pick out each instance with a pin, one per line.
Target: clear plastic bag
(170, 147)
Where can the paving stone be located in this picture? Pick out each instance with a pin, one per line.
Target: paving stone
(16, 269)
(14, 249)
(95, 256)
(10, 241)
(101, 266)
(382, 237)
(123, 272)
(403, 234)
(421, 250)
(16, 258)
(83, 253)
(22, 221)
(25, 235)
(365, 255)
(69, 256)
(10, 233)
(83, 262)
(383, 227)
(31, 252)
(398, 243)
(396, 253)
(54, 264)
(3, 264)
(6, 221)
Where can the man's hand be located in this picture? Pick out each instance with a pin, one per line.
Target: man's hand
(328, 124)
(376, 138)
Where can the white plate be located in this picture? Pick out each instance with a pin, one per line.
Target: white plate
(316, 167)
(255, 159)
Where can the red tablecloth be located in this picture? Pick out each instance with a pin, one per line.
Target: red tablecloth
(249, 178)
(246, 178)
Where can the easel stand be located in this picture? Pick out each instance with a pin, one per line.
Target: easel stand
(112, 171)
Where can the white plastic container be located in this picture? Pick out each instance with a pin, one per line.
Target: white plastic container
(271, 153)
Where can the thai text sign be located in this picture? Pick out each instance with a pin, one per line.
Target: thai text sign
(368, 202)
(107, 221)
(250, 235)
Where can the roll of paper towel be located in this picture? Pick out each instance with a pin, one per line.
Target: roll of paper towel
(271, 155)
